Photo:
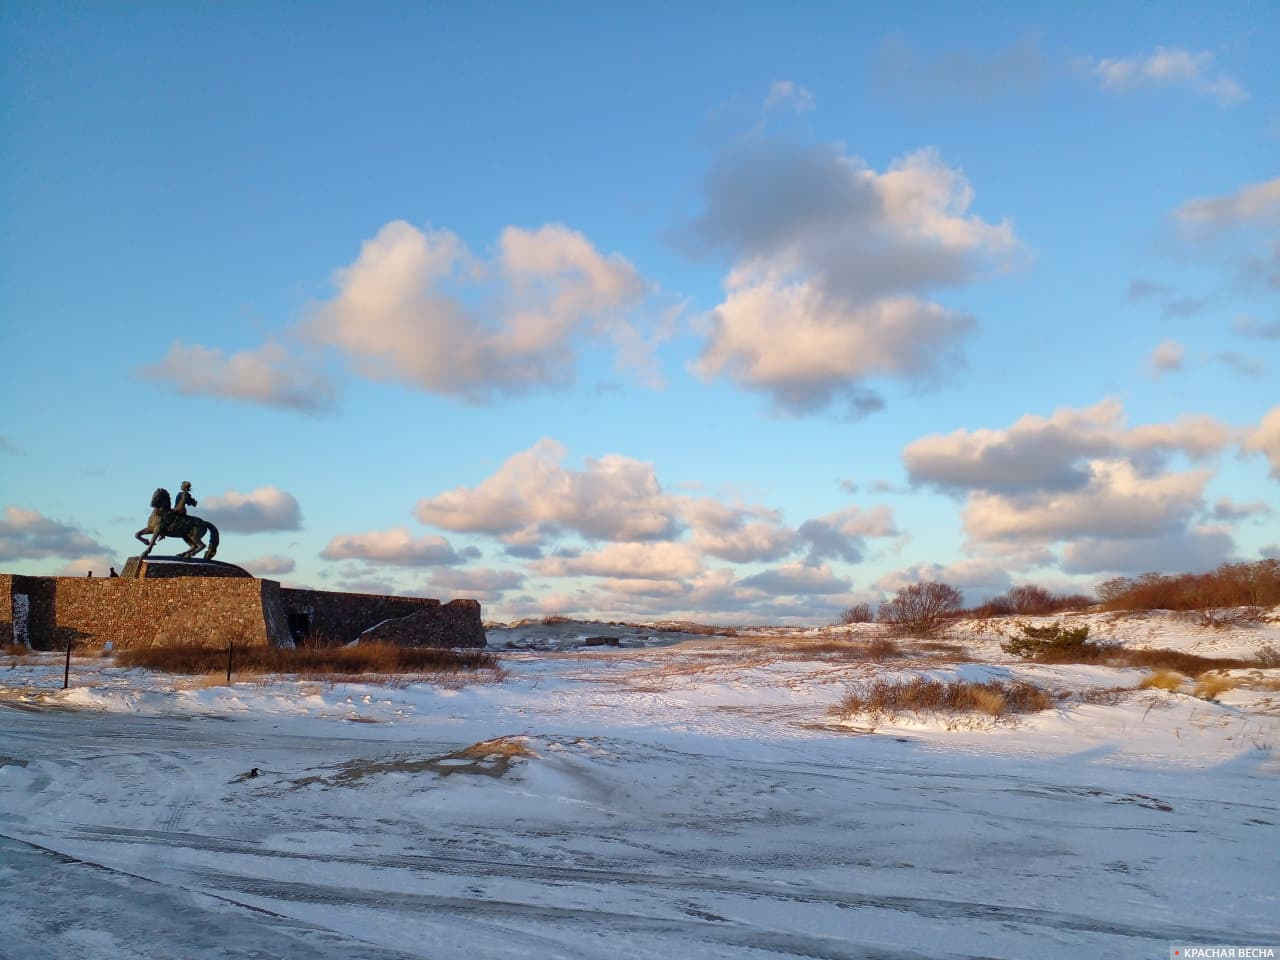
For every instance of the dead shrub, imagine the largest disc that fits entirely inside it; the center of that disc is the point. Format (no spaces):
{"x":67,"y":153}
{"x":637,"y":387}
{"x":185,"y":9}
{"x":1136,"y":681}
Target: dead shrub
{"x":858,"y":613}
{"x":1221,"y":617}
{"x":920,"y":609}
{"x":995,"y":698}
{"x":344,"y":661}
{"x":1029,"y":600}
{"x":882,"y":648}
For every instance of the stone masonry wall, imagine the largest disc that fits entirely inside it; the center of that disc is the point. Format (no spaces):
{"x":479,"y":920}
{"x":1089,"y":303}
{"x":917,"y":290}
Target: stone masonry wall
{"x":337,"y":618}
{"x":454,"y":624}
{"x":91,"y":611}
{"x":128,"y":612}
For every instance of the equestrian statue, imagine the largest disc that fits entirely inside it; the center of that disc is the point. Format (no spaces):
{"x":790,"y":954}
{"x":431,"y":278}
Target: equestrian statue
{"x":165,"y":521}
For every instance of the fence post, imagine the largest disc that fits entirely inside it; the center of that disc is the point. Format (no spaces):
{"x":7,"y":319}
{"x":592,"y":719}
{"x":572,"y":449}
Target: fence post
{"x":66,"y":670}
{"x":230,"y":644}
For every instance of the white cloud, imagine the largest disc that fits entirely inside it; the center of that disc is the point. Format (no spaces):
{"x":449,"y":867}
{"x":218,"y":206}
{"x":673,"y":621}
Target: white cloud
{"x":796,"y":579}
{"x":269,"y":375}
{"x":1253,"y":204}
{"x":418,"y":308}
{"x":1054,"y":453}
{"x":271,"y":564}
{"x":788,"y":95}
{"x":843,"y":534}
{"x":29,"y":535}
{"x":532,"y":496}
{"x":1227,"y":510}
{"x":396,"y":547}
{"x":99,"y":564}
{"x":266,"y":508}
{"x":1167,"y":357}
{"x":1194,"y":549}
{"x":625,"y":561}
{"x":976,"y":577}
{"x":807,"y":352}
{"x":1168,"y":67}
{"x":829,"y":258}
{"x":1265,"y":439}
{"x":740,"y":535}
{"x":1118,"y":501}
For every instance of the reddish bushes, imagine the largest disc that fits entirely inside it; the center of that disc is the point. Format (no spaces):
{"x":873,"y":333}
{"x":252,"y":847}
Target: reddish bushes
{"x":1230,"y":585}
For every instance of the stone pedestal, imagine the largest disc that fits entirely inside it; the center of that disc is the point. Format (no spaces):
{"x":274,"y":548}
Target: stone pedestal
{"x":153,"y":567}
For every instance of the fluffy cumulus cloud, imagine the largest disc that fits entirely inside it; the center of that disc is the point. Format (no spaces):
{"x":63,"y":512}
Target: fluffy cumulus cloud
{"x":738,"y":534}
{"x":29,"y":535}
{"x":1084,"y":481}
{"x":270,"y":565}
{"x":270,"y":375}
{"x":475,"y":583}
{"x":418,"y":307}
{"x":831,"y":261}
{"x":266,"y":508}
{"x":1039,"y":454}
{"x":1168,"y":67}
{"x":1195,"y":549}
{"x":645,"y":561}
{"x":843,"y":535}
{"x":797,"y":579}
{"x":976,"y":577}
{"x":396,"y":547}
{"x":533,"y":496}
{"x":1118,"y":501}
{"x":1265,"y":439}
{"x":637,"y":549}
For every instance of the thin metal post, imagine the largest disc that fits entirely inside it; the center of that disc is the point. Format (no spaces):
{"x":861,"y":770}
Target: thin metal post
{"x":230,"y":644}
{"x":66,"y":670}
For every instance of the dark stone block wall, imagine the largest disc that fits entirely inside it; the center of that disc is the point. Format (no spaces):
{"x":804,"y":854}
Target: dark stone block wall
{"x":454,"y":624}
{"x":338,"y":618}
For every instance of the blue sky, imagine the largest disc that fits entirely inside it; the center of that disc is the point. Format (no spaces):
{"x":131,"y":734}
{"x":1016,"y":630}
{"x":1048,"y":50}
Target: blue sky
{"x":741,"y":312}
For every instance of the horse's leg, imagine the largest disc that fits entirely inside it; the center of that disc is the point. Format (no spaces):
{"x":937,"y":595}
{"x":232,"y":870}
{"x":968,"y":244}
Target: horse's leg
{"x":193,"y":542}
{"x":151,"y":545}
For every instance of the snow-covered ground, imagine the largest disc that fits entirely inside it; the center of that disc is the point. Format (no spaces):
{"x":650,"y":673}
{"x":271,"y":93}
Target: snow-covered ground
{"x":671,"y":796}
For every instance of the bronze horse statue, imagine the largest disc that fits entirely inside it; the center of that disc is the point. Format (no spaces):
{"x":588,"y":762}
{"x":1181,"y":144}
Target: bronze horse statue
{"x":164,"y":522}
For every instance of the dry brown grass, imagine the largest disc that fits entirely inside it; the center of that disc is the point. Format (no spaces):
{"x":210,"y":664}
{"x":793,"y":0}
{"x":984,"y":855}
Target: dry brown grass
{"x":1169,"y":680}
{"x":1211,"y":685}
{"x":334,"y":662}
{"x":995,"y":698}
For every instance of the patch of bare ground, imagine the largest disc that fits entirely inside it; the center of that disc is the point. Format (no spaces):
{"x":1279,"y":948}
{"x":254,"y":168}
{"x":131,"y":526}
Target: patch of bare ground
{"x":488,"y":758}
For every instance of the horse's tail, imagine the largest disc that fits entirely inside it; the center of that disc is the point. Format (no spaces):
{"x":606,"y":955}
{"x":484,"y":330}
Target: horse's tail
{"x":213,"y":541}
